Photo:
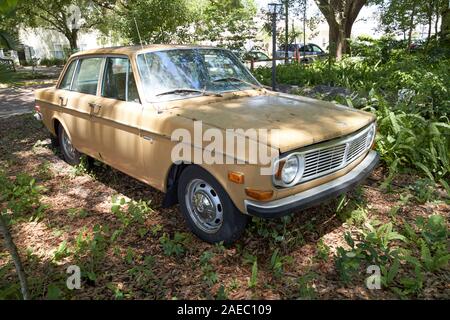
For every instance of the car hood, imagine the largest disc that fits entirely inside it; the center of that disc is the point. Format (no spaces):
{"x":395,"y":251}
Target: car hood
{"x":299,"y":121}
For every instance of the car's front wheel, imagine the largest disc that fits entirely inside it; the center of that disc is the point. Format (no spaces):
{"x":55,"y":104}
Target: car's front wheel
{"x":207,"y":208}
{"x":70,"y":154}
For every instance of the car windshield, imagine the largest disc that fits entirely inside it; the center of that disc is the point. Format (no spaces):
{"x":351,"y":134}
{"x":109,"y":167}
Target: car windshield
{"x":180,"y":73}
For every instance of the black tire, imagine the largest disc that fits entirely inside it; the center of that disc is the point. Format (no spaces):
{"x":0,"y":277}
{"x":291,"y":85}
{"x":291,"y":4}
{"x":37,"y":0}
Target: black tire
{"x":233,"y":221}
{"x":72,"y":159}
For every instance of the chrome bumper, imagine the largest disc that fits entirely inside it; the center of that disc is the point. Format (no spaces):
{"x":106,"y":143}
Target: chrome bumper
{"x":316,"y":195}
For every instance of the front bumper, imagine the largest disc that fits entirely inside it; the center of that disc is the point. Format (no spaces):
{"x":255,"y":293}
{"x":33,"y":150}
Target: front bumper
{"x":316,"y":195}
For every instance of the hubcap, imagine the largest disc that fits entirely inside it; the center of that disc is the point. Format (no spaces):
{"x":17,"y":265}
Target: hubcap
{"x":67,"y":145}
{"x":204,"y":206}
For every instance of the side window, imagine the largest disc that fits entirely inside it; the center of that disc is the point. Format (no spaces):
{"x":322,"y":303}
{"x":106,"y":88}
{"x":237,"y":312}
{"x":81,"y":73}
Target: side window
{"x":67,"y":79}
{"x":133,"y":94}
{"x":317,"y":49}
{"x":118,"y":82}
{"x":86,"y":79}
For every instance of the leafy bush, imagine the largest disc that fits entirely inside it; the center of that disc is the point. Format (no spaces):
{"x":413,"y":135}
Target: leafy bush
{"x":48,"y":62}
{"x":401,"y":256}
{"x":409,"y":93}
{"x":21,"y":195}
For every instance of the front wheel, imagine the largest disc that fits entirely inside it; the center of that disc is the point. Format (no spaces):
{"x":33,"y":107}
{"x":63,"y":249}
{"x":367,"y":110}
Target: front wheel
{"x":70,"y":154}
{"x":207,"y":208}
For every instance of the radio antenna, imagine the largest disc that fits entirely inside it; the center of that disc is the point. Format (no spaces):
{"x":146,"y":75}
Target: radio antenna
{"x":138,"y":32}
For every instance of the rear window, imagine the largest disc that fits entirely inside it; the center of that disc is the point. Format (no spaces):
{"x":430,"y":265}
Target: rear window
{"x":86,"y":79}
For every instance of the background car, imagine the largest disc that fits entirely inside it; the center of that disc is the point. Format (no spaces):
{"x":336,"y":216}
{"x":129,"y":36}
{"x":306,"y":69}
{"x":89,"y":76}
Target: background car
{"x":308,"y":52}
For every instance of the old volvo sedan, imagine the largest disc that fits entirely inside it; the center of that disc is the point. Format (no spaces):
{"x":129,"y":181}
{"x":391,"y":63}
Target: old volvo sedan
{"x":157,"y":113}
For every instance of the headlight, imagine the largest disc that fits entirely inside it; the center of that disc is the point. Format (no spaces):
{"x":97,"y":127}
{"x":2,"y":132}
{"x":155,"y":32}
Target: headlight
{"x":371,"y":136}
{"x":290,"y":169}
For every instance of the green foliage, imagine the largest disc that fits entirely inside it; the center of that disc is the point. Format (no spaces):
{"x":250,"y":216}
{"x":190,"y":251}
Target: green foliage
{"x":90,"y":250}
{"x":408,"y":92}
{"x":21,"y":195}
{"x":209,"y":275}
{"x":48,"y":62}
{"x":322,"y":251}
{"x":306,"y":289}
{"x":130,"y":212}
{"x":175,"y":246}
{"x":277,"y":262}
{"x":402,"y":257}
{"x":253,"y":281}
{"x":227,"y":22}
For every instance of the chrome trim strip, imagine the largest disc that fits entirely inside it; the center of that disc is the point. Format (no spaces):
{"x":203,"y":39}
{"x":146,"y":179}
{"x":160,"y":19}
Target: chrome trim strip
{"x":316,"y":190}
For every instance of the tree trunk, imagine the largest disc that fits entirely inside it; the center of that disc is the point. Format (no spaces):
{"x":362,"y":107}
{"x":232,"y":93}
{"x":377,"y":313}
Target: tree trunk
{"x":437,"y":12}
{"x":341,"y":16}
{"x":430,"y":20}
{"x":72,"y":36}
{"x":445,"y":24}
{"x":11,"y":247}
{"x":411,"y":25}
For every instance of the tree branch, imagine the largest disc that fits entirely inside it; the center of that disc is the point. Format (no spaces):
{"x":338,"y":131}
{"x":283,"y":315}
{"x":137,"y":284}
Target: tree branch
{"x":11,"y":247}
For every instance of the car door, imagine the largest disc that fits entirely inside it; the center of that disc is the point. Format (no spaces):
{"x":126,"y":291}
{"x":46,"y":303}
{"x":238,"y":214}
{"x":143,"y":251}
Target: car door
{"x":118,"y":119}
{"x":77,"y":95}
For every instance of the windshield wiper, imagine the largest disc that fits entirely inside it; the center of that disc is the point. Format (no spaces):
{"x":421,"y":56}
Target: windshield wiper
{"x":231,"y":79}
{"x":188,"y":90}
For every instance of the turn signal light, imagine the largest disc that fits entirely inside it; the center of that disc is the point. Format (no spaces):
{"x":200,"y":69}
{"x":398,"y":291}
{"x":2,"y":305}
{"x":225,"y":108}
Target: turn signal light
{"x":236,"y":177}
{"x":280,"y":169}
{"x":259,"y":194}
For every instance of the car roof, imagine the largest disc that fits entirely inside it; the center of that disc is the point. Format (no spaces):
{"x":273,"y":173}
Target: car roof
{"x":132,"y":50}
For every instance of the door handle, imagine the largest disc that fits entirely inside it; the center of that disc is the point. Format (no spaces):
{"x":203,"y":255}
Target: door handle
{"x":95,"y":107}
{"x":62,"y":101}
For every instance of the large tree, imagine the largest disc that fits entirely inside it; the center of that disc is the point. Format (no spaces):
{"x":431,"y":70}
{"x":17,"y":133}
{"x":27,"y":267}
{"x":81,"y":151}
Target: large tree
{"x":68,"y":17}
{"x":229,"y":23}
{"x":340,"y":16}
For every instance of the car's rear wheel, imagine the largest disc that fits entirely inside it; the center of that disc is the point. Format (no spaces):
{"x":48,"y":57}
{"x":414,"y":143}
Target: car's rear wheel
{"x":70,"y":154}
{"x":207,"y":208}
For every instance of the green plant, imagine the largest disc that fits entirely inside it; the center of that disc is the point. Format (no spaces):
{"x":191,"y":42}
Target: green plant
{"x":175,"y":246}
{"x":130,"y":212}
{"x":62,"y":251}
{"x":322,"y":251}
{"x":21,"y":195}
{"x":209,"y":275}
{"x":82,"y":168}
{"x":253,"y":281}
{"x":306,"y":290}
{"x":277,"y":262}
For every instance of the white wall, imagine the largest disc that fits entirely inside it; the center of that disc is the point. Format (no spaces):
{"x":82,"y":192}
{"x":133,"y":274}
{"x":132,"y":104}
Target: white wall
{"x":47,"y":43}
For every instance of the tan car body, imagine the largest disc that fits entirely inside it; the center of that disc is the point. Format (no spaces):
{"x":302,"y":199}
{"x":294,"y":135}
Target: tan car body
{"x":136,"y":137}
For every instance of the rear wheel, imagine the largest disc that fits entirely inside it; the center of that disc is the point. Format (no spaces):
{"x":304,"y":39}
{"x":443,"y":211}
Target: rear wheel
{"x":70,"y":154}
{"x":207,"y":208}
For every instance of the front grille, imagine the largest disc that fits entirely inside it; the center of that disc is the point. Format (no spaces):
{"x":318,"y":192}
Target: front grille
{"x":324,"y":160}
{"x":317,"y":162}
{"x":328,"y":157}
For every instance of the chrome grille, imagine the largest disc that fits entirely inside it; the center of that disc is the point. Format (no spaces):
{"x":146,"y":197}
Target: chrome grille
{"x":331,"y":156}
{"x":323,"y":160}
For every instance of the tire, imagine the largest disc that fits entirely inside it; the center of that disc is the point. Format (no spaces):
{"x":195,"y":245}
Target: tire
{"x":194,"y":186}
{"x":70,"y":154}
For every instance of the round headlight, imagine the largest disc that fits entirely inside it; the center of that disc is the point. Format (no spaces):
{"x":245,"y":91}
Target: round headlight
{"x":290,"y":170}
{"x":370,"y":136}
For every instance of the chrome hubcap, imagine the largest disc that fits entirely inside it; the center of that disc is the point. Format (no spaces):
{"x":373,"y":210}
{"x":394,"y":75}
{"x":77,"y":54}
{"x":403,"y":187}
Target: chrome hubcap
{"x":67,"y":145}
{"x":204,"y":206}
